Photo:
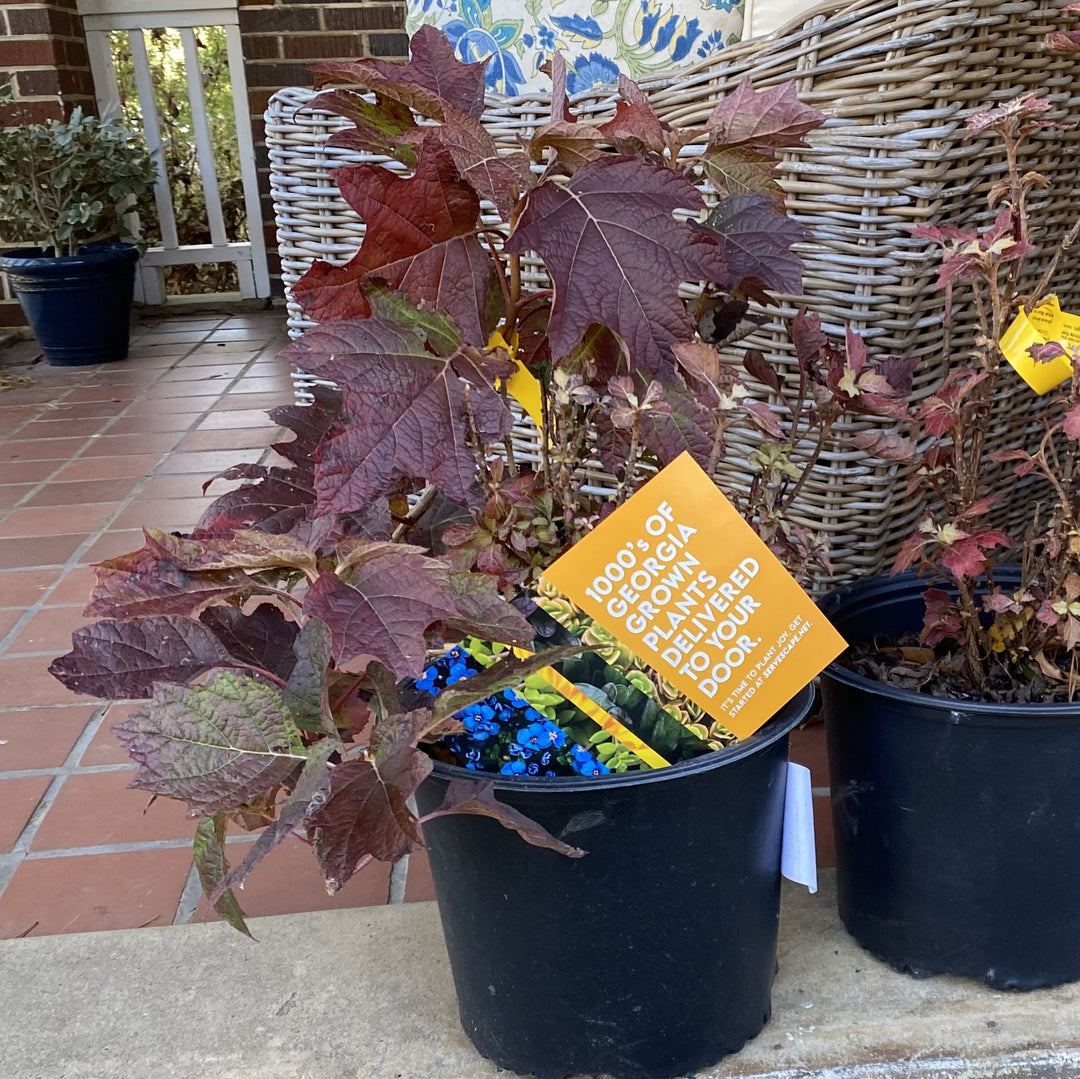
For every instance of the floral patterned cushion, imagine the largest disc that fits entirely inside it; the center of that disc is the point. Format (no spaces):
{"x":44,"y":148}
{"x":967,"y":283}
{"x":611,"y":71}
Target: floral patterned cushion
{"x":598,"y":38}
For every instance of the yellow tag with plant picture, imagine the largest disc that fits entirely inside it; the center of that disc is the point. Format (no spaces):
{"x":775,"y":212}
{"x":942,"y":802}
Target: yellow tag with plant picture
{"x":679,"y":578}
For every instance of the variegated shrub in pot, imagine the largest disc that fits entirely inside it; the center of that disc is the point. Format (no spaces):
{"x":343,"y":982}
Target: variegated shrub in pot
{"x":293,"y":649}
{"x":64,"y":190}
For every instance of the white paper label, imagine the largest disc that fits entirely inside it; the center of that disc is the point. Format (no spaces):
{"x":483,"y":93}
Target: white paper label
{"x":798,"y":859}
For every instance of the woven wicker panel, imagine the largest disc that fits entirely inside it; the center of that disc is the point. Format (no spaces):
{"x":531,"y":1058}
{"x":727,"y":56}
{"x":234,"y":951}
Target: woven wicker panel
{"x":897,"y":81}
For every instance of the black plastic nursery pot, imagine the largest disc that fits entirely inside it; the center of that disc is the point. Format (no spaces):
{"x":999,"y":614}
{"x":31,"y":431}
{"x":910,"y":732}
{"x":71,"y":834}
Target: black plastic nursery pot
{"x":79,"y":306}
{"x":957,"y":824}
{"x":654,"y":954}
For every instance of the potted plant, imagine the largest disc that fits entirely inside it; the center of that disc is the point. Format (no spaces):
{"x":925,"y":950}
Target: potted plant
{"x":953,"y":725}
{"x":293,"y":647}
{"x":65,"y":189}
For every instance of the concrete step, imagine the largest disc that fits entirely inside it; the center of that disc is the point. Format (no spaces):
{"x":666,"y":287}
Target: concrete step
{"x":367,"y":994}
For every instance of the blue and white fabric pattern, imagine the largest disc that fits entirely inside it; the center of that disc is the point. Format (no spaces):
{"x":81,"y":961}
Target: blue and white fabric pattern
{"x":598,"y":38}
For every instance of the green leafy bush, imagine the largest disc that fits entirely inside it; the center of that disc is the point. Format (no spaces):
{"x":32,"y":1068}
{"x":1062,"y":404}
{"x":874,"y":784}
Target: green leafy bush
{"x":63,"y":181}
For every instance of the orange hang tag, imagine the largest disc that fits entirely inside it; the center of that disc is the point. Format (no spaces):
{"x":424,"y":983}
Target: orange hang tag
{"x":677,"y":576}
{"x":522,"y":385}
{"x":1047,"y":322}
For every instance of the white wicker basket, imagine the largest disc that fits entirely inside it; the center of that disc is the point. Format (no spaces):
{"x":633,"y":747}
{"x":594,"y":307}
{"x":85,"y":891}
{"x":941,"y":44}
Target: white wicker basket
{"x":897,"y":80}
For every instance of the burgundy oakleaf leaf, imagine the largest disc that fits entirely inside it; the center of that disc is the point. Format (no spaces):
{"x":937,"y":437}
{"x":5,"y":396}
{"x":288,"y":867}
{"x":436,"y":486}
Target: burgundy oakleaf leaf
{"x":483,"y":612}
{"x":261,"y":638}
{"x":763,"y":418}
{"x":245,"y":549}
{"x":683,"y":425}
{"x":116,"y":659}
{"x":215,"y":746}
{"x":366,"y":815}
{"x":384,"y":609}
{"x":420,"y":239}
{"x":700,"y":361}
{"x":1048,"y":351}
{"x":500,"y":178}
{"x":277,"y":502}
{"x":617,"y":256}
{"x":755,"y":240}
{"x":635,"y":127}
{"x":478,"y":797}
{"x":766,"y":120}
{"x":432,"y":76}
{"x":307,"y":797}
{"x":885,"y":445}
{"x":967,"y":556}
{"x":757,"y":366}
{"x":310,"y":423}
{"x":149,"y":581}
{"x":1064,"y":40}
{"x":407,"y":414}
{"x":575,"y":144}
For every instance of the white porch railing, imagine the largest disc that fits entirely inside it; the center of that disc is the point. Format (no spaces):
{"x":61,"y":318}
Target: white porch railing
{"x":100,"y":18}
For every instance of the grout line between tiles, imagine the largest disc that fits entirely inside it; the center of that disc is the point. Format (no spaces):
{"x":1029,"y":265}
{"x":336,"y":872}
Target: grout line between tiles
{"x":86,"y":770}
{"x":128,"y":500}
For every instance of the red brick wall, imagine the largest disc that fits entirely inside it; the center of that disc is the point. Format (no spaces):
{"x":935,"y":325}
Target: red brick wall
{"x":43,"y":56}
{"x":284,"y":38}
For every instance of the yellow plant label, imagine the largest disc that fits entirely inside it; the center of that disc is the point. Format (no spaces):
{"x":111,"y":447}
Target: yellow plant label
{"x":522,"y":385}
{"x":685,"y":583}
{"x":1046,"y":323}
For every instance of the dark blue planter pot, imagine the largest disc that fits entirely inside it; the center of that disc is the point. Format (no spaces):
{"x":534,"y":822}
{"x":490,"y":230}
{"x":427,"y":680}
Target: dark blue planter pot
{"x":957,"y":823}
{"x":79,"y":306}
{"x":654,"y":954}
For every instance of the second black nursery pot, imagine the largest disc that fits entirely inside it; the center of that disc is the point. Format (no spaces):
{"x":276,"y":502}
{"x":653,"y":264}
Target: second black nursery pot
{"x":957,"y":823}
{"x":654,"y":954}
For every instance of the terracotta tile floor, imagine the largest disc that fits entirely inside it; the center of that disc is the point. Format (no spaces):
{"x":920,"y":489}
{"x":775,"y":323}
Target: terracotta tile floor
{"x":88,"y":455}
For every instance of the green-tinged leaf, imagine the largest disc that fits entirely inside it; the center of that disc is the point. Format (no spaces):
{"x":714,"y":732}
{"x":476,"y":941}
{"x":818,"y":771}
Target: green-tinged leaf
{"x":736,"y":170}
{"x":509,"y":671}
{"x":366,"y":814}
{"x":212,"y":866}
{"x":478,"y":797}
{"x":306,"y":692}
{"x":215,"y":746}
{"x":243,"y":549}
{"x":385,"y":687}
{"x":384,"y":609}
{"x":437,"y":330}
{"x":308,"y":796}
{"x":482,"y":611}
{"x":118,"y":660}
{"x":150,"y":581}
{"x":378,"y":126}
